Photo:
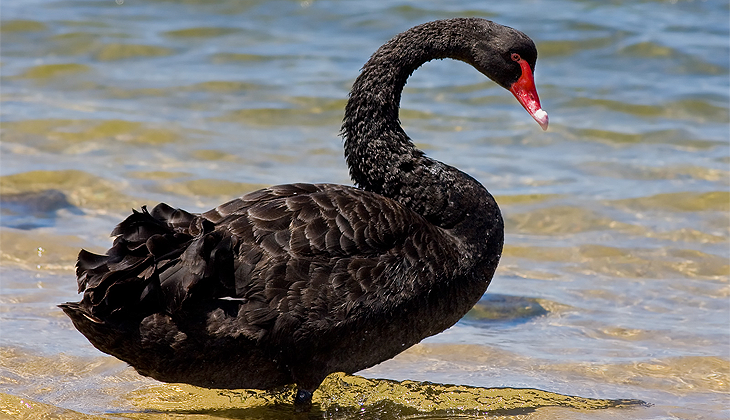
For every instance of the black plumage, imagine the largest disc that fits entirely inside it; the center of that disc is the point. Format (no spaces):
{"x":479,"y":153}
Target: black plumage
{"x":290,"y":283}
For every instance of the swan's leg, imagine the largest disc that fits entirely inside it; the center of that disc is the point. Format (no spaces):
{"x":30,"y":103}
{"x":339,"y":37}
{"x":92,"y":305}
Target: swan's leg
{"x":303,"y":400}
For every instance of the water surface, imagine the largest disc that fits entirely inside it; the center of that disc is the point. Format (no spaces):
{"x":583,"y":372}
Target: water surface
{"x":614,"y":280}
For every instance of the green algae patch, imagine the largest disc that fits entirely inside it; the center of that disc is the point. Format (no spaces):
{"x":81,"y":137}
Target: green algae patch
{"x":222,"y":86}
{"x":651,"y":173}
{"x":593,"y":259}
{"x":676,"y":137}
{"x":36,"y":250}
{"x":201,"y":32}
{"x":345,"y":394}
{"x":158,"y":175}
{"x":688,"y":235}
{"x":649,"y":50}
{"x":213,"y":155}
{"x":305,"y":111}
{"x":564,"y":48}
{"x":220,"y":189}
{"x":81,"y":189}
{"x":77,"y":136}
{"x":679,"y":202}
{"x":681,"y":63}
{"x":48,"y":71}
{"x":672,"y":374}
{"x":22,"y":25}
{"x":113,"y":52}
{"x":693,"y":109}
{"x":525,"y":198}
{"x":354,"y":392}
{"x":24,"y":408}
{"x":565,"y":220}
{"x":222,"y":58}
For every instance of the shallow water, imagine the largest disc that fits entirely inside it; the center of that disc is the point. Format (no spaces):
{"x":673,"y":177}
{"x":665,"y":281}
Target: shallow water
{"x":614,"y":280}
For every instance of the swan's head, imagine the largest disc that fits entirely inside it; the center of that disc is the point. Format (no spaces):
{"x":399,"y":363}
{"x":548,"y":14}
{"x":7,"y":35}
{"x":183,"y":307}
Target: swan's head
{"x":508,"y":57}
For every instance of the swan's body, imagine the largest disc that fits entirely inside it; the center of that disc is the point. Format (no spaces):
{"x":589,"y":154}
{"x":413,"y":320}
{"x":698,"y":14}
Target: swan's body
{"x":291,"y":283}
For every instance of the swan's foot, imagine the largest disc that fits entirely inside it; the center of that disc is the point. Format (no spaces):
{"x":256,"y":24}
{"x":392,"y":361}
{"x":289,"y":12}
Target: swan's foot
{"x":302,"y":401}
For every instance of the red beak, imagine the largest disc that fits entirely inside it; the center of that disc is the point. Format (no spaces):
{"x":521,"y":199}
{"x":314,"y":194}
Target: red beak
{"x":526,"y":93}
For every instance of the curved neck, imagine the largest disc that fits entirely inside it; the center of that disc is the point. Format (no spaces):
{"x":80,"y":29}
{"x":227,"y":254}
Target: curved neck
{"x":380,"y":155}
{"x":371,"y":127}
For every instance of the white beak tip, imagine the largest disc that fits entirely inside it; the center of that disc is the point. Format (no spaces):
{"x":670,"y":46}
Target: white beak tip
{"x":542,"y":118}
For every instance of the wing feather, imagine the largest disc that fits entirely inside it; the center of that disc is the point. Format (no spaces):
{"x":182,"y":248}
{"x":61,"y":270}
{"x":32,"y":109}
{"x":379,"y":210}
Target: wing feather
{"x":294,"y":258}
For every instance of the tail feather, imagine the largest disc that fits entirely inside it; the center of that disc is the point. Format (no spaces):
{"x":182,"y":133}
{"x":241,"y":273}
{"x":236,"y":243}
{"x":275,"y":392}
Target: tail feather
{"x":139,"y":226}
{"x":126,"y":278}
{"x":75,"y":311}
{"x":177,"y":219}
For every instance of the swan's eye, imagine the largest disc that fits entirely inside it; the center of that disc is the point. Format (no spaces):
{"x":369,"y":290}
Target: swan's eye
{"x":516,"y":57}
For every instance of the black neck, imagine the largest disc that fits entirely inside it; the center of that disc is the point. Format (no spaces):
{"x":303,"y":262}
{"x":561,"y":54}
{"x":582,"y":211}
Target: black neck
{"x":380,"y":155}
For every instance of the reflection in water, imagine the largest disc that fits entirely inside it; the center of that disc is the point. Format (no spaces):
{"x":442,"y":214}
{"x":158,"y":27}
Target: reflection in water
{"x":339,"y":396}
{"x":343,"y":395}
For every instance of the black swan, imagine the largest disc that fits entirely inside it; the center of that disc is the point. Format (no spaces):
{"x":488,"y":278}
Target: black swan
{"x":290,"y":283}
